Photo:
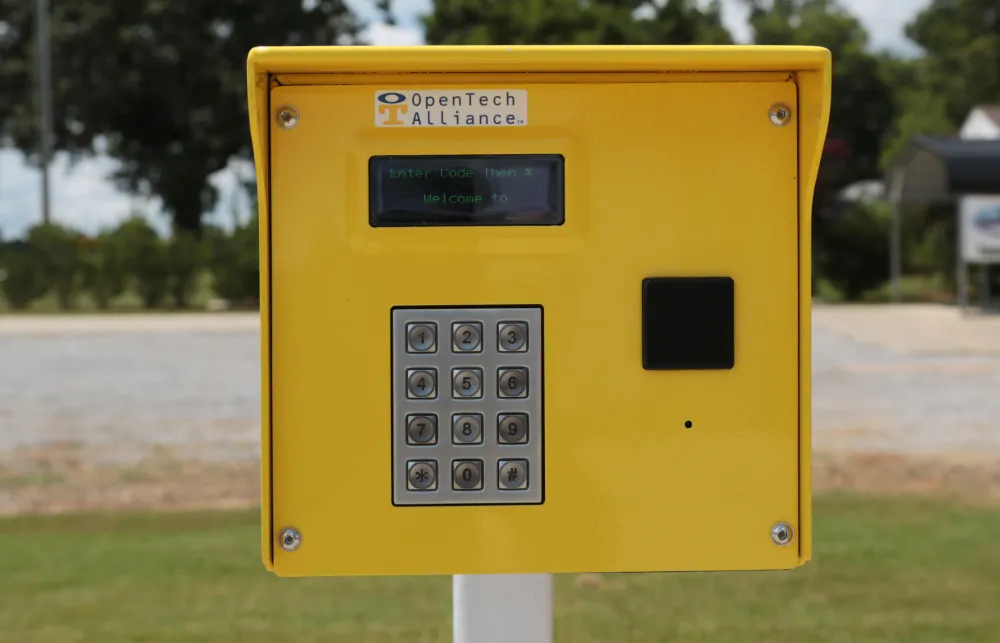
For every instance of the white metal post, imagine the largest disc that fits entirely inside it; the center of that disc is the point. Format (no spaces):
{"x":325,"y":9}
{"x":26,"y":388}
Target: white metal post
{"x":502,"y":608}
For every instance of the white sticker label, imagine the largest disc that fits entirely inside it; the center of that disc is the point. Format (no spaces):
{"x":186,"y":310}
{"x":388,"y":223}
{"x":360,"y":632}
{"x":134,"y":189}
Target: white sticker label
{"x":451,"y":107}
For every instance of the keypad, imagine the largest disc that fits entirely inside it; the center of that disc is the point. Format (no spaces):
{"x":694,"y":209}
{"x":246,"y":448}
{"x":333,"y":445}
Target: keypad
{"x":467,"y":405}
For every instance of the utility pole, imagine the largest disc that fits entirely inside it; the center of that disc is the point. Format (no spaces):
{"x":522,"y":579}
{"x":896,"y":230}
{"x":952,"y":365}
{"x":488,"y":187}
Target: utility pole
{"x":44,"y":76}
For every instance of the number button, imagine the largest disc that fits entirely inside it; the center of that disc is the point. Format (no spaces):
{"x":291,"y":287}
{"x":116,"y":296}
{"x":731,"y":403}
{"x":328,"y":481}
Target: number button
{"x":512,"y":475}
{"x":512,"y":382}
{"x":421,"y":383}
{"x":421,"y":429}
{"x":512,"y":337}
{"x":421,"y":337}
{"x":467,"y":382}
{"x":467,"y":337}
{"x":467,"y":428}
{"x":512,"y":428}
{"x":467,"y":475}
{"x":421,"y":475}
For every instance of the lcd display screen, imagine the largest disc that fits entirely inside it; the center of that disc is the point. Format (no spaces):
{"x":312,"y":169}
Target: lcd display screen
{"x":475,"y":190}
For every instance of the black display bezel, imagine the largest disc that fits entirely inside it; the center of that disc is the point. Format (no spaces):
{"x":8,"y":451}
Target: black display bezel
{"x":552,"y":214}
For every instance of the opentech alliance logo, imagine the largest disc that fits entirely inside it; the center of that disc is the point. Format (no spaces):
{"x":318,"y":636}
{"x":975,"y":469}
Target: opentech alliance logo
{"x":391,"y":107}
{"x":451,"y":108}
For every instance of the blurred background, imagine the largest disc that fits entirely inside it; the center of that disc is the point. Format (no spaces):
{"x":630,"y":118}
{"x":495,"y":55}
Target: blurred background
{"x":129,"y":377}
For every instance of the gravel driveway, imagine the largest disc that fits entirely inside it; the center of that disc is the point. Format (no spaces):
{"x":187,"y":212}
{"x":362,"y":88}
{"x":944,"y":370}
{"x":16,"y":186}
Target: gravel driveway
{"x":910,"y":380}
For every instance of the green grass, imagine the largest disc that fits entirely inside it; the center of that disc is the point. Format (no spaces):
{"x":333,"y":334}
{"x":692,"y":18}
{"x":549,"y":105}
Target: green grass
{"x":908,"y":570}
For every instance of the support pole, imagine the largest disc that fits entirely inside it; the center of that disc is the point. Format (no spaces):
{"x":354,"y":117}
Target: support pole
{"x":963,"y":285}
{"x":896,"y":237}
{"x":984,"y":286}
{"x":502,"y":608}
{"x":961,"y":268}
{"x":44,"y":79}
{"x":896,"y":257}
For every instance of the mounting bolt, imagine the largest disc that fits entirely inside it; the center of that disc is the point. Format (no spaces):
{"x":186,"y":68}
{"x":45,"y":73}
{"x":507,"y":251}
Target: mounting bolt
{"x":780,"y":114}
{"x":287,"y":117}
{"x":782,"y":534}
{"x":289,"y":538}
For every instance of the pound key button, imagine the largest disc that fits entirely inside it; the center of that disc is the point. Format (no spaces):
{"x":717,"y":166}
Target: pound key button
{"x":512,"y":474}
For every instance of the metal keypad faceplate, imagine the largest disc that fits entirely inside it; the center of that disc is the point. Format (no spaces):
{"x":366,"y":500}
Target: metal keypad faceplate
{"x":453,"y":377}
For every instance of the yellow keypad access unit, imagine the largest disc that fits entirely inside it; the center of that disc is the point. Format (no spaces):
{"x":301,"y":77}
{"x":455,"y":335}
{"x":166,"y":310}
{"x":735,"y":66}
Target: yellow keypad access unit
{"x":535,"y":309}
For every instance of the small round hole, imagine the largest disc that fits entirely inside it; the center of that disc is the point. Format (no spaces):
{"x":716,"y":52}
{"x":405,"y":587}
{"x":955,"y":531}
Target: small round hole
{"x":688,"y":424}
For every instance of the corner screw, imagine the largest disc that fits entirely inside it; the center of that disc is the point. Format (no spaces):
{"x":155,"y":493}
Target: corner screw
{"x":290,"y":538}
{"x":287,"y":117}
{"x":780,"y":114}
{"x":782,"y":534}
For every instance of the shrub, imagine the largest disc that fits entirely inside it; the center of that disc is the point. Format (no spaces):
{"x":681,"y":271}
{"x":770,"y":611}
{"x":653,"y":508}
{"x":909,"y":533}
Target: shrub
{"x":852,"y":250}
{"x":144,"y":259}
{"x":234,"y":264}
{"x":57,"y":253}
{"x":103,"y":269}
{"x":21,"y":282}
{"x":185,"y":254}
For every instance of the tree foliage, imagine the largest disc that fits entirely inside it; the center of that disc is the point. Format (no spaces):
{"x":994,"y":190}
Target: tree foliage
{"x":575,"y":22}
{"x":863,"y":105}
{"x":159,"y":84}
{"x":961,"y":41}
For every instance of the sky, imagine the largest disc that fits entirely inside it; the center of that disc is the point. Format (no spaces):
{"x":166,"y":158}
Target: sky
{"x":82,"y":196}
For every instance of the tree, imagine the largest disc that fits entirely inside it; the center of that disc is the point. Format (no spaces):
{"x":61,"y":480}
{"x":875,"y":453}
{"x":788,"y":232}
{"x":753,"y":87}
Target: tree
{"x":921,"y":109}
{"x":581,"y":22}
{"x":961,"y":41}
{"x":159,"y":85}
{"x":863,"y":104}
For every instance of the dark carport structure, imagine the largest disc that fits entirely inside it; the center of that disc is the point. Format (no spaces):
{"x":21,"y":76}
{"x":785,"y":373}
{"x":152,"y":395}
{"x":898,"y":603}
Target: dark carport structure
{"x":939,"y":169}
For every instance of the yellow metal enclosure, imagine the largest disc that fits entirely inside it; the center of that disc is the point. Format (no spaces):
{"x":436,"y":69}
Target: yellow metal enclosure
{"x":676,"y":164}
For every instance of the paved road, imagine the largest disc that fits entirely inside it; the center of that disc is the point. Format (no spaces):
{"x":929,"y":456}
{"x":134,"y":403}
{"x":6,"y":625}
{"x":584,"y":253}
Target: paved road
{"x":915,"y":379}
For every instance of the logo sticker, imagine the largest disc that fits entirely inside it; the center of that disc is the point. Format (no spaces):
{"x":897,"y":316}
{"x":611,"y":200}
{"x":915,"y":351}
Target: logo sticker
{"x":988,"y":220}
{"x":451,"y":107}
